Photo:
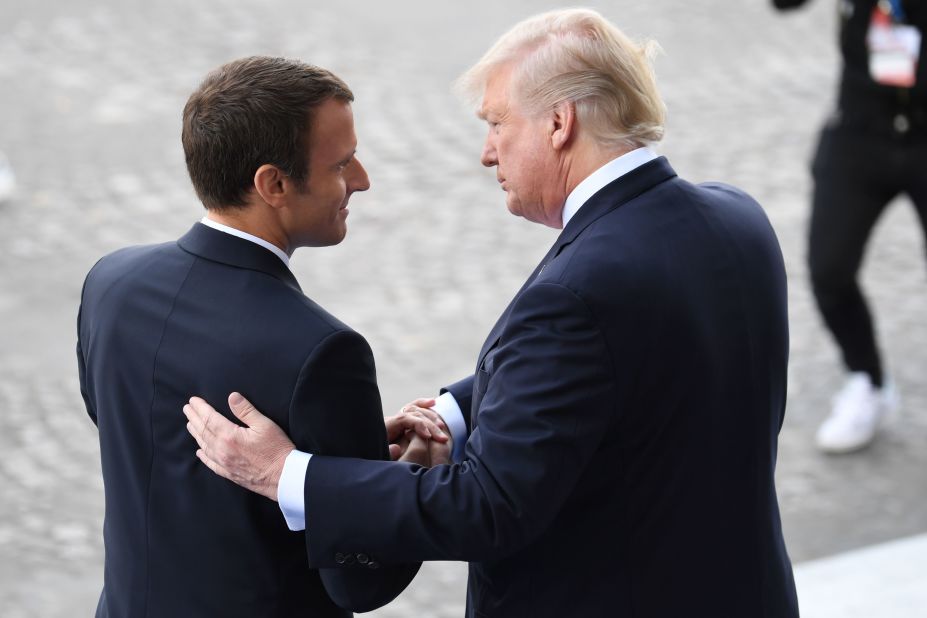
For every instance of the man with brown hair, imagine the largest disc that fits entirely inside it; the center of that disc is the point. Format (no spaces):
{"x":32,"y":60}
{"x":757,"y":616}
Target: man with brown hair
{"x":270,"y":148}
{"x":616,"y":448}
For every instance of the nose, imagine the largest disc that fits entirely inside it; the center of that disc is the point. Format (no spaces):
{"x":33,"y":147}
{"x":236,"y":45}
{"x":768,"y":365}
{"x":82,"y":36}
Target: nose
{"x":489,"y":157}
{"x":359,"y":181}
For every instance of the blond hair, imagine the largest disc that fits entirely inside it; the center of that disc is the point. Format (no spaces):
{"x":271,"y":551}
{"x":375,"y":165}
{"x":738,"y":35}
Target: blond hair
{"x":577,"y":55}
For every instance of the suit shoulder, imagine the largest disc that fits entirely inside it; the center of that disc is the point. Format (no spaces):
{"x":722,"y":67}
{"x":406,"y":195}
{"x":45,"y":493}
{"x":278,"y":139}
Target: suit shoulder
{"x":286,"y":315}
{"x":643,"y":240}
{"x":114,"y":266}
{"x":299,"y":305}
{"x":728,"y":193}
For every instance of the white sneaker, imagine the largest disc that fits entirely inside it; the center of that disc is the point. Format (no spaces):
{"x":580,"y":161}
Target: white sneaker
{"x":859,"y":409}
{"x":7,"y":180}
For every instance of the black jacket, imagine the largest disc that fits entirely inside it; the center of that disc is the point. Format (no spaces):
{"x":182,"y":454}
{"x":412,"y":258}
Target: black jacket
{"x":206,"y":315}
{"x":624,"y":414}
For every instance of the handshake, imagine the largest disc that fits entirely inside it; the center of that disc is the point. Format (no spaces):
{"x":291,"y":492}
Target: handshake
{"x":418,"y":434}
{"x":253,"y":455}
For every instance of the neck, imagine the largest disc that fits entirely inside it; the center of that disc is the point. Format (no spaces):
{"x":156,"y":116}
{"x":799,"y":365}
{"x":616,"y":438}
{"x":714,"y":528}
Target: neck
{"x":249,"y":220}
{"x":587,"y":160}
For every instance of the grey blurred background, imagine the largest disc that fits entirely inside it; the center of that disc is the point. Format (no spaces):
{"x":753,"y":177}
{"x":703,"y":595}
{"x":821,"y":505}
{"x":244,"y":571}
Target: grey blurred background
{"x":91,"y":94}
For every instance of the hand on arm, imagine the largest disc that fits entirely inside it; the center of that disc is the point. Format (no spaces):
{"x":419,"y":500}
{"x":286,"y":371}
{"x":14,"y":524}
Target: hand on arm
{"x":251,"y":456}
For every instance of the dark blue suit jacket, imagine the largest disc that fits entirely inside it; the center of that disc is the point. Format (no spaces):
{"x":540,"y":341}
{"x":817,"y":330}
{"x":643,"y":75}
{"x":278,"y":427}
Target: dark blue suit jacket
{"x":624,"y":417}
{"x":206,"y":315}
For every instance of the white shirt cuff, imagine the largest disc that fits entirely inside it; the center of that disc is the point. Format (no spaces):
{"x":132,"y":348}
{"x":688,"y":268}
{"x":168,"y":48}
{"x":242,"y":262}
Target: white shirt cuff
{"x":291,"y":489}
{"x":448,"y":409}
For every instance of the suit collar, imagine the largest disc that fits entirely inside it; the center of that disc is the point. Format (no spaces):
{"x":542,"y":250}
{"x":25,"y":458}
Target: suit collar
{"x":242,"y":234}
{"x":211,"y":244}
{"x":614,"y":169}
{"x":608,"y":198}
{"x":619,"y":191}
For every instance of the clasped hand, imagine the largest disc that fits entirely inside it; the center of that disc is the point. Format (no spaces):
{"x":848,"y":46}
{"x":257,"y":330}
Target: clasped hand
{"x":419,"y":435}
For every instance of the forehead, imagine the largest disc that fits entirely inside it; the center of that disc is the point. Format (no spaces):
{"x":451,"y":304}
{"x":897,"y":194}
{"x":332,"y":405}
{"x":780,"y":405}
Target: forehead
{"x":332,"y":131}
{"x":496,"y":94}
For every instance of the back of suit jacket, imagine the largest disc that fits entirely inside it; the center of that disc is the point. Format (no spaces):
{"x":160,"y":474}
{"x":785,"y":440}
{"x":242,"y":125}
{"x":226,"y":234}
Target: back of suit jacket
{"x":207,"y":315}
{"x":624,"y":417}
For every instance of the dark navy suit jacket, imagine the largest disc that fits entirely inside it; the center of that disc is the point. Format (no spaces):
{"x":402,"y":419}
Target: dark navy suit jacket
{"x":207,"y":315}
{"x":624,"y":415}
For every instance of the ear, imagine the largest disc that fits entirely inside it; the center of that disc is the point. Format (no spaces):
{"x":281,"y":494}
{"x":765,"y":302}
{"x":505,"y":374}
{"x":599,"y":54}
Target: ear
{"x":271,"y":184}
{"x":563,"y":124}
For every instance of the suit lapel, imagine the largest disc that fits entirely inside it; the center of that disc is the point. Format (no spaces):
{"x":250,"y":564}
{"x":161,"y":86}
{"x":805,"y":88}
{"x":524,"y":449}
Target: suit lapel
{"x":611,"y":196}
{"x":211,"y":244}
{"x":496,"y":331}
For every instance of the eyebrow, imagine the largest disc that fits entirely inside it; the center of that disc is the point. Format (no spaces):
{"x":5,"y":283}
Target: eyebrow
{"x":345,"y":160}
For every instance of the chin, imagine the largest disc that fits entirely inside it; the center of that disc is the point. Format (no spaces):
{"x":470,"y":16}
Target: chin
{"x":327,"y":240}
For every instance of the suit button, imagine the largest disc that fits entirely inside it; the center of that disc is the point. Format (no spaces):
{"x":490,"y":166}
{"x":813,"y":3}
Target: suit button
{"x":349,"y":559}
{"x":339,"y":558}
{"x":363,"y":558}
{"x":373,"y":565}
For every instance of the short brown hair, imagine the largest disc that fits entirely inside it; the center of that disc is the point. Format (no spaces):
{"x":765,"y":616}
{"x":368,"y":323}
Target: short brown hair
{"x":247,"y":113}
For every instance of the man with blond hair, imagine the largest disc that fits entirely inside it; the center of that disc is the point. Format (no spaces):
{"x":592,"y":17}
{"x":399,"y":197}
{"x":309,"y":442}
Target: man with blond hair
{"x":616,"y":448}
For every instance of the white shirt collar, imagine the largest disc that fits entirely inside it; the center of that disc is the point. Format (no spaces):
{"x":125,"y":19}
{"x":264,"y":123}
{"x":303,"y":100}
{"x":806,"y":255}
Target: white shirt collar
{"x":258,"y":241}
{"x":612,"y":170}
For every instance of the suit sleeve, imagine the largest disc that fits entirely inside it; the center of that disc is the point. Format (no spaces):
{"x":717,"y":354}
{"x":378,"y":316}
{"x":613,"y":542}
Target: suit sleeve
{"x":545,"y":411}
{"x":82,"y":374}
{"x":336,"y":410}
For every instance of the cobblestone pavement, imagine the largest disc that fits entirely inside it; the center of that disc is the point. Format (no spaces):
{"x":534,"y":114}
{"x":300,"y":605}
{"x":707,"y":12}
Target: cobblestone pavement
{"x":90,"y":101}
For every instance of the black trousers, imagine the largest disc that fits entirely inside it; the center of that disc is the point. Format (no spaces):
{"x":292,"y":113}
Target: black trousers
{"x":856,"y":174}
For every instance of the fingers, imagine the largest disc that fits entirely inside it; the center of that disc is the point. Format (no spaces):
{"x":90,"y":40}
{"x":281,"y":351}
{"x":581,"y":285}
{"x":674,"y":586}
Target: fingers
{"x":195,"y":425}
{"x":417,"y":452}
{"x":424,"y":427}
{"x":428,"y":413}
{"x":208,"y":427}
{"x":205,"y":419}
{"x":439,"y":453}
{"x":422,"y":406}
{"x":199,"y":441}
{"x":398,"y":448}
{"x":214,"y":466}
{"x":245,"y":410}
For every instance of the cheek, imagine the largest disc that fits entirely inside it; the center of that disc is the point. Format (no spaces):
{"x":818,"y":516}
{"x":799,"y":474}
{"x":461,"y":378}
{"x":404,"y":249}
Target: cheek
{"x":335,"y":191}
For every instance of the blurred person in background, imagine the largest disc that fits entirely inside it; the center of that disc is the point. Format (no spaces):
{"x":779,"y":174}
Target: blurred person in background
{"x":616,"y":451}
{"x":872,"y":149}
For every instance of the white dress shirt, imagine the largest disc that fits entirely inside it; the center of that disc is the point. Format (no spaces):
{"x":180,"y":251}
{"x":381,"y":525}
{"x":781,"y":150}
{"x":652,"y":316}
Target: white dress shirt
{"x":258,"y":241}
{"x":291,"y":488}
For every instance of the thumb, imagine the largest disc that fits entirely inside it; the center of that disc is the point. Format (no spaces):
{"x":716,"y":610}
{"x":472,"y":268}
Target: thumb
{"x":244,"y":410}
{"x":395,"y":451}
